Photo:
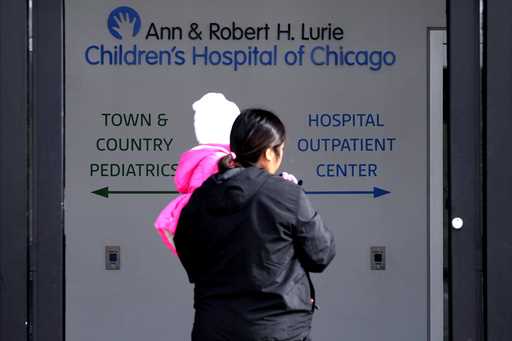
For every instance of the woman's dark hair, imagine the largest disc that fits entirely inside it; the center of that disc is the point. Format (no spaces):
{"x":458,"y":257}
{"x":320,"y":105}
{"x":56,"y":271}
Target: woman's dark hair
{"x":253,"y":131}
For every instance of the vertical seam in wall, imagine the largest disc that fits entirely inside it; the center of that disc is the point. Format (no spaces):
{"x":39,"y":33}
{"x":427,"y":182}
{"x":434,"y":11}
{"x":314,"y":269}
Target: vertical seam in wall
{"x":428,"y":187}
{"x":483,"y":144}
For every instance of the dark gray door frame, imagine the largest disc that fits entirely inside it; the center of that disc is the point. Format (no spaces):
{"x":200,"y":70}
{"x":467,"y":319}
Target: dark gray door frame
{"x":47,"y":253}
{"x":466,"y":273}
{"x":498,"y":175}
{"x":13,"y":169}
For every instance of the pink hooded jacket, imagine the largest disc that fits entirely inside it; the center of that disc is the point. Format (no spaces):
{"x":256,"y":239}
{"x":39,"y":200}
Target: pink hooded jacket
{"x":194,"y":167}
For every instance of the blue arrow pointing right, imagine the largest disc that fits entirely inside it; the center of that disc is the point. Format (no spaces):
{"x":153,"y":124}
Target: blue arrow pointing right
{"x":376,"y":192}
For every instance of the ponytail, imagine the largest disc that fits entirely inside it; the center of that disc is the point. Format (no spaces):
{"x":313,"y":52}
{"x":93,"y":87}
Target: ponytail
{"x":227,"y":162}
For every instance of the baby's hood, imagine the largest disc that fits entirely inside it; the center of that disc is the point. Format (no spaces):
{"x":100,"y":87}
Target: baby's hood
{"x":198,"y":164}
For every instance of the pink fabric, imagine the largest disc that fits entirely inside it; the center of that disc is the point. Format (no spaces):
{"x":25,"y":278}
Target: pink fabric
{"x":194,"y":167}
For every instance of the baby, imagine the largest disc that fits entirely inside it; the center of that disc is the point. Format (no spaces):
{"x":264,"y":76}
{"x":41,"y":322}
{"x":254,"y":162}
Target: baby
{"x":213,"y":118}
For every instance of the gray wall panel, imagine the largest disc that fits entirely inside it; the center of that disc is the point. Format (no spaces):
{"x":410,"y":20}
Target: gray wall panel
{"x":150,"y":295}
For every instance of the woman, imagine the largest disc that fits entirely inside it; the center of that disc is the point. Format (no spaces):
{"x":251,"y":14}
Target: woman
{"x":248,"y":240}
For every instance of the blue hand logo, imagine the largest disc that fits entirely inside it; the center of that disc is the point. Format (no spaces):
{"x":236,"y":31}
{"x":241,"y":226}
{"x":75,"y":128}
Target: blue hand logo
{"x":124,"y":22}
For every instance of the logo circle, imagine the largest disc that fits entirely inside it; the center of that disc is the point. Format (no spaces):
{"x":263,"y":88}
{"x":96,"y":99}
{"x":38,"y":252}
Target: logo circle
{"x":124,"y":22}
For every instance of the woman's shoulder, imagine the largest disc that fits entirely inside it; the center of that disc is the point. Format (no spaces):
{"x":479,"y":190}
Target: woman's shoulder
{"x":282,"y":184}
{"x":255,"y":182}
{"x":279,"y":189}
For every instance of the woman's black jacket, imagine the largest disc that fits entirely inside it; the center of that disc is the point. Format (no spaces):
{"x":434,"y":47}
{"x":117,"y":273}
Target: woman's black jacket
{"x":248,"y":240}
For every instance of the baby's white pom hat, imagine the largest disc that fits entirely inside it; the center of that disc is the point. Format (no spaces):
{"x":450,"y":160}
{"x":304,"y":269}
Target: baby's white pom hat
{"x":214,"y":116}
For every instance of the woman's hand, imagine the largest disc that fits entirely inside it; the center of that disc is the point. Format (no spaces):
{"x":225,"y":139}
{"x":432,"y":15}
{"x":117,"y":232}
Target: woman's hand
{"x":289,"y":177}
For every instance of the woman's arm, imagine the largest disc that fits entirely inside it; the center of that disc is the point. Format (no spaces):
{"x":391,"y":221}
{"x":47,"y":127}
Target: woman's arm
{"x":314,"y":242}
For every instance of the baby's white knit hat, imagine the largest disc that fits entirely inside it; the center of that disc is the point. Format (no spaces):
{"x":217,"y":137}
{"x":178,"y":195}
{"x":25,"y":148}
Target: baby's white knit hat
{"x":213,"y":118}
